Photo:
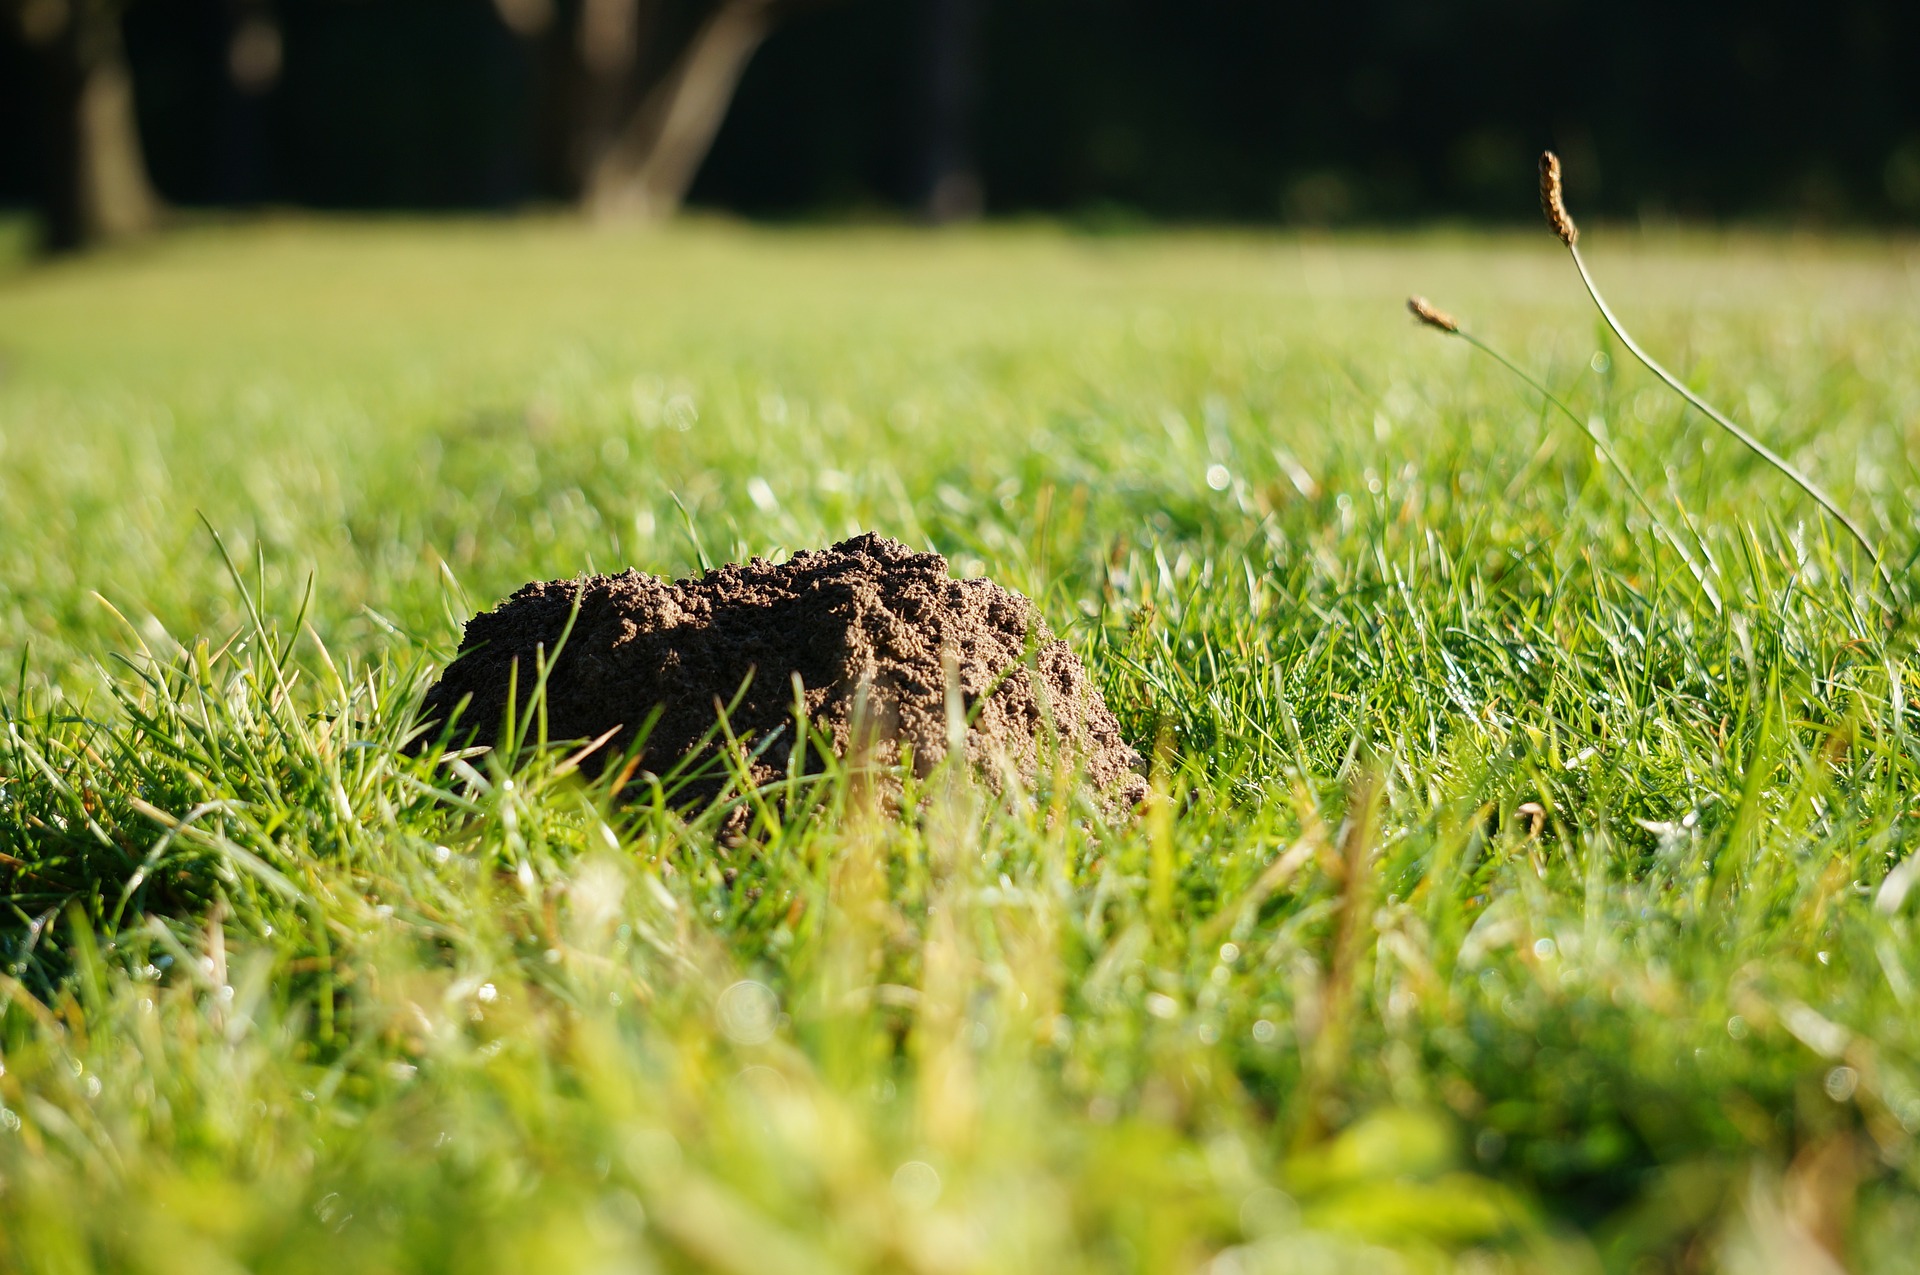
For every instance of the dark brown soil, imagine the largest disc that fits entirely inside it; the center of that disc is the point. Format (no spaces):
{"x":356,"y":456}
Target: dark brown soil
{"x":862,"y":627}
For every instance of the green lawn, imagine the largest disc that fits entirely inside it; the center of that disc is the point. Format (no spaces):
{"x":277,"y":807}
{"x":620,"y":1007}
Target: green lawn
{"x":282,"y":998}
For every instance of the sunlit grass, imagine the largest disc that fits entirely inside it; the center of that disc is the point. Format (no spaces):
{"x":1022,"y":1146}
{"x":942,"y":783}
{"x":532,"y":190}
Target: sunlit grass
{"x":1512,"y":896}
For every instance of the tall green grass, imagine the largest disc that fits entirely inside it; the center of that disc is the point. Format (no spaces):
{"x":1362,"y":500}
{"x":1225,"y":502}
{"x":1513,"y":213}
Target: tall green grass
{"x":1512,"y":897}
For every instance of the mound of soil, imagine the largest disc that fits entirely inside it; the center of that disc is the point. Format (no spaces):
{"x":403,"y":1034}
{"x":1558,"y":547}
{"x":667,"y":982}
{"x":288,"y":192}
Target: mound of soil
{"x":863,"y":626}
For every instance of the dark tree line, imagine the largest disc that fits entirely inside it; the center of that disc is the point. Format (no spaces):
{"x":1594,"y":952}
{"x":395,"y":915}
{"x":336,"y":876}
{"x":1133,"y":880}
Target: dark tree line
{"x":625,"y":96}
{"x":1243,"y":110}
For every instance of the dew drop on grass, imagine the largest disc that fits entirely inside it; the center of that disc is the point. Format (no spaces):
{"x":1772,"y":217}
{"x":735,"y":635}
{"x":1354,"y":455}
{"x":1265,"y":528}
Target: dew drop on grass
{"x":1219,"y":477}
{"x":749,"y":1012}
{"x":1265,"y":1210}
{"x":1227,"y":1262}
{"x":916,"y":1184}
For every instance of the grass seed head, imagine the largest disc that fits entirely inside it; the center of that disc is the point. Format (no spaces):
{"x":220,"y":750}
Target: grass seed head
{"x":1434,"y":317}
{"x":1553,"y":200}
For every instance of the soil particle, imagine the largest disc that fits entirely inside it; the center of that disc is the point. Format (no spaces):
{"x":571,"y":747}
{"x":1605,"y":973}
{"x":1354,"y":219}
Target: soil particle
{"x":867,"y":627}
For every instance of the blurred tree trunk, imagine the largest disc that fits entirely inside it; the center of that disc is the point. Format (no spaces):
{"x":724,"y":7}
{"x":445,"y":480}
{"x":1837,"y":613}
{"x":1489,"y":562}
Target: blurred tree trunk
{"x":633,"y":92}
{"x":95,"y":186}
{"x":616,"y":46}
{"x":646,"y":170}
{"x":948,"y":185}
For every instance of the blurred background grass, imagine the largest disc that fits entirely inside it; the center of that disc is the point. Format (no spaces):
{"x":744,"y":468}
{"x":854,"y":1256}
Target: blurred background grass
{"x":518,"y":399}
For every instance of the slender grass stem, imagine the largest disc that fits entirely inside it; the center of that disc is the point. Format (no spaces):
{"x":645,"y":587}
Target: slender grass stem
{"x":1603,"y":449}
{"x":1562,"y":224}
{"x":1452,"y":327}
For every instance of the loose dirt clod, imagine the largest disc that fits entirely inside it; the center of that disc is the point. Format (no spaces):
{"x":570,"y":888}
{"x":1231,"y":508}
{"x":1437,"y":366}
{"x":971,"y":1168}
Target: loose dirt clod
{"x":869,"y":628}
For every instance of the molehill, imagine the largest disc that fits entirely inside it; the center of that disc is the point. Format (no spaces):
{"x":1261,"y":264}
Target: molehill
{"x":864,"y":626}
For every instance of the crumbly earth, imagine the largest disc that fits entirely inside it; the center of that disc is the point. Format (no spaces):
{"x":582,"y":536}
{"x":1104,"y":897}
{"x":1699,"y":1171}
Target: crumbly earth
{"x":862,"y":632}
